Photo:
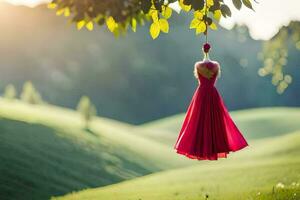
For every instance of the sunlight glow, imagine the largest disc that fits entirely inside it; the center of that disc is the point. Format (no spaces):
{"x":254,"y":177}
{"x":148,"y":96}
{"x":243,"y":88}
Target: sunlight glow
{"x":269,"y":16}
{"x":30,"y":3}
{"x":263,"y":23}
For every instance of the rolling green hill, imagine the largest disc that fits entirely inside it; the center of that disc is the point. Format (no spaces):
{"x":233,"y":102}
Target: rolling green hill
{"x":254,"y":123}
{"x":45,"y":152}
{"x":250,"y":174}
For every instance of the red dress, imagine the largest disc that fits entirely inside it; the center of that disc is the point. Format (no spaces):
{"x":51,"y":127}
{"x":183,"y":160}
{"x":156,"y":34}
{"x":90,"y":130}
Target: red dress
{"x":208,"y":132}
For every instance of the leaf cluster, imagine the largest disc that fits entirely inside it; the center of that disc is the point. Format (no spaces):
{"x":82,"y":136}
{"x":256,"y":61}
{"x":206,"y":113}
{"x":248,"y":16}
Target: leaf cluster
{"x":120,"y":15}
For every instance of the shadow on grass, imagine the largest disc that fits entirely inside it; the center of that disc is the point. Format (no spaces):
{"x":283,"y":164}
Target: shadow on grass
{"x":90,"y":131}
{"x":38,"y":162}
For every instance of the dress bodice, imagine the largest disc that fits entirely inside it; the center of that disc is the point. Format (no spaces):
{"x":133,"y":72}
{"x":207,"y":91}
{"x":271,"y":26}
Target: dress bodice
{"x":203,"y":81}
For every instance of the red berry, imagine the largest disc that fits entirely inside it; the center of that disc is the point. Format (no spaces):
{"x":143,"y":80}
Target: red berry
{"x":206,"y":47}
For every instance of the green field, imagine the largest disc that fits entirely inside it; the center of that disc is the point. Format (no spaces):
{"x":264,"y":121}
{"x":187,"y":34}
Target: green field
{"x":46,"y":153}
{"x":250,"y":174}
{"x":272,"y":158}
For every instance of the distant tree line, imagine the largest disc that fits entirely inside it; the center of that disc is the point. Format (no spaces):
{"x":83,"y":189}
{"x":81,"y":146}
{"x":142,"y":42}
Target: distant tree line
{"x":31,"y":95}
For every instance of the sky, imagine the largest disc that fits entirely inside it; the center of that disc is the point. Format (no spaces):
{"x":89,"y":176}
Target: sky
{"x":263,"y":23}
{"x":268,"y":17}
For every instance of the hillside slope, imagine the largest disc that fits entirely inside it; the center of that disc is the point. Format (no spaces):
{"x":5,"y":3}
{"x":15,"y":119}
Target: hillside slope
{"x":46,"y":152}
{"x":250,"y":174}
{"x":254,"y":123}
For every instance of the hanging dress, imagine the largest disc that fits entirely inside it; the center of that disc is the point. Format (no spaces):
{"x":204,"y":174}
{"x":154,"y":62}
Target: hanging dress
{"x":208,"y":132}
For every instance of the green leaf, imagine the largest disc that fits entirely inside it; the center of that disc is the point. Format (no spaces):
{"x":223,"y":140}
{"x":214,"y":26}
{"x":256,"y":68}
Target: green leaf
{"x":154,"y":30}
{"x":164,"y":25}
{"x":90,"y":26}
{"x":215,"y":6}
{"x":101,"y":21}
{"x":111,"y":24}
{"x":213,"y":26}
{"x":60,"y":12}
{"x":188,"y":2}
{"x":154,"y":16}
{"x":210,"y":3}
{"x":225,"y":10}
{"x":184,"y":7}
{"x":80,"y":24}
{"x":167,"y":12}
{"x":198,"y":4}
{"x":52,"y":5}
{"x":198,"y":14}
{"x":133,"y":24}
{"x":67,"y":12}
{"x":248,"y":4}
{"x":201,"y":28}
{"x":237,"y":4}
{"x":208,"y":20}
{"x":194,"y":23}
{"x":217,"y":15}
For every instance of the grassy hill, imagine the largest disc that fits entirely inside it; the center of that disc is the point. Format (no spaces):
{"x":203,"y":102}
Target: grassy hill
{"x":45,"y":152}
{"x":250,"y":174}
{"x":254,"y":123}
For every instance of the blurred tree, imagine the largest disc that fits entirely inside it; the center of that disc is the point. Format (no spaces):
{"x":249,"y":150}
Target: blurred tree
{"x":30,"y":94}
{"x":275,"y":53}
{"x":87,"y":110}
{"x":10,"y":92}
{"x":119,"y":15}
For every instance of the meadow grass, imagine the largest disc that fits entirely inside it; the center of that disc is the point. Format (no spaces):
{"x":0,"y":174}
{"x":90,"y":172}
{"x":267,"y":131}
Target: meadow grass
{"x":250,"y":174}
{"x":46,"y":152}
